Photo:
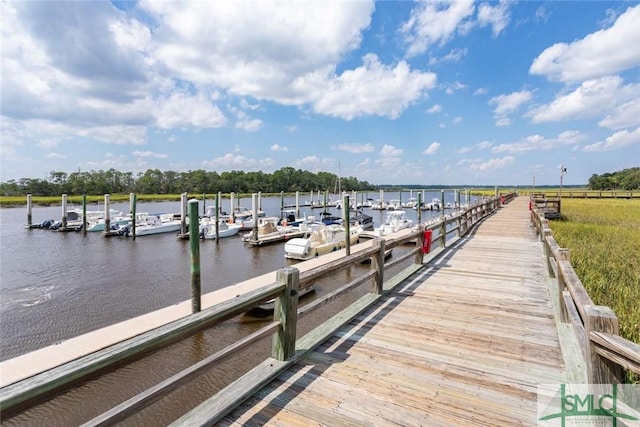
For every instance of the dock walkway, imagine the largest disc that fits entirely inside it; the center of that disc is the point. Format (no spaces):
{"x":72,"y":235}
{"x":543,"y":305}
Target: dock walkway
{"x":465,"y":341}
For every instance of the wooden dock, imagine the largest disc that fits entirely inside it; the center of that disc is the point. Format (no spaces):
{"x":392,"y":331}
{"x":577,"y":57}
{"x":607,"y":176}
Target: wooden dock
{"x":466,"y":341}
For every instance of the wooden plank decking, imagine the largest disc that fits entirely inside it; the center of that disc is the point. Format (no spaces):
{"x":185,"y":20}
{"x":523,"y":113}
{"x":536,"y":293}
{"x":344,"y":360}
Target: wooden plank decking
{"x":466,"y":341}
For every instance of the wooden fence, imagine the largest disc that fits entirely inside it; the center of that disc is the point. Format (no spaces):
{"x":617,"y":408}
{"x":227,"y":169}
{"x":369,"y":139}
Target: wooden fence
{"x":286,"y":349}
{"x":596,"y":327}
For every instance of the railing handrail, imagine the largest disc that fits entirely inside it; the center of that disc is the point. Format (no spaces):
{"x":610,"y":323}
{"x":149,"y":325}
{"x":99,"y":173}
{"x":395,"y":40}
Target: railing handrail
{"x":15,"y":397}
{"x":596,"y":327}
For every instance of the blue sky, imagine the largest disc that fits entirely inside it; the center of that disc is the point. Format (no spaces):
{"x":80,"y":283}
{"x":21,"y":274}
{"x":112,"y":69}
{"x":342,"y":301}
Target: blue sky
{"x":393,"y":92}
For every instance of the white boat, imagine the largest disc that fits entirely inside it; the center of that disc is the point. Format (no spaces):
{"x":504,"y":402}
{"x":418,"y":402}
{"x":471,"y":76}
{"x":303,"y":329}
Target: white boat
{"x":411,"y":204}
{"x":208,"y":229}
{"x":395,"y":221}
{"x":148,"y":224}
{"x":116,"y":220}
{"x":434,"y":205}
{"x":269,"y":232}
{"x":393,"y":205}
{"x":379,"y":205}
{"x":323,"y":240}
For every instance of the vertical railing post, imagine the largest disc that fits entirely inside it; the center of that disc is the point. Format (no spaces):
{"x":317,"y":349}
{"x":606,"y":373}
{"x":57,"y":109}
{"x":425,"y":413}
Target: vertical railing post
{"x":194,"y":243}
{"x":347,"y":225}
{"x":419,"y":257}
{"x":601,"y":370}
{"x":286,"y":312}
{"x":419,"y":208}
{"x":377,"y":264}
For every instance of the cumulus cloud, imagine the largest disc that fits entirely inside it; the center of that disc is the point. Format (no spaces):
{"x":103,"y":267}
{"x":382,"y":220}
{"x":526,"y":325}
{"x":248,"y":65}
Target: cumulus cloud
{"x":590,"y":99}
{"x":435,"y":109}
{"x":55,"y":156}
{"x":372,"y":89}
{"x":278,"y":148}
{"x":355,"y":148}
{"x":181,"y":109}
{"x":507,"y":104}
{"x":230,"y":162}
{"x":492,"y":164}
{"x":454,"y":55}
{"x":432,"y":149}
{"x":390,"y":151}
{"x":434,"y":22}
{"x":149,"y":154}
{"x":616,"y":141}
{"x":479,"y":146}
{"x":601,"y":53}
{"x":496,"y":16}
{"x":623,"y":116}
{"x":538,"y":142}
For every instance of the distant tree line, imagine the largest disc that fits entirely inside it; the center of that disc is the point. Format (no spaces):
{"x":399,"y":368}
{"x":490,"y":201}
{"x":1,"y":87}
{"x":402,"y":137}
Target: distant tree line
{"x":154,"y":181}
{"x":626,"y":179}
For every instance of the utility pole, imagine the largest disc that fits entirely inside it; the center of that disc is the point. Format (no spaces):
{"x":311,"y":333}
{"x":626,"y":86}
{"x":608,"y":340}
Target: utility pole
{"x":563,"y":172}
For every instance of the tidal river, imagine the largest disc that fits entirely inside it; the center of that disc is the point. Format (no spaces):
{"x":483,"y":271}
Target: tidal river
{"x":57,"y":285}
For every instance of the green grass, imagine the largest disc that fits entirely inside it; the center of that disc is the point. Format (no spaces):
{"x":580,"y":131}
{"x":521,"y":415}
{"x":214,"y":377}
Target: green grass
{"x":604,"y":239}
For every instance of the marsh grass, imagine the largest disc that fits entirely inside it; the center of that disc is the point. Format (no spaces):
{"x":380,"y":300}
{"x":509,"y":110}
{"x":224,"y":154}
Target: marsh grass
{"x":604,"y":239}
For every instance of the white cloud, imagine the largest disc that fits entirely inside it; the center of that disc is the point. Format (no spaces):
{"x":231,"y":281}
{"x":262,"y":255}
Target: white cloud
{"x":149,"y":154}
{"x":435,"y":109}
{"x":538,"y":142}
{"x":453,"y":87}
{"x":457,"y":120}
{"x":601,"y":53}
{"x":492,"y":164}
{"x":55,"y":156}
{"x":507,"y":104}
{"x":237,"y":162}
{"x":372,"y":89}
{"x":481,"y":91}
{"x":479,"y":146}
{"x":355,"y":148}
{"x":181,"y":109}
{"x":390,"y":151}
{"x":623,"y":116}
{"x":496,"y":16}
{"x":590,"y":99}
{"x":432,"y":149}
{"x":278,"y":148}
{"x":49,"y":142}
{"x":616,"y":141}
{"x":454,"y":55}
{"x":434,"y":22}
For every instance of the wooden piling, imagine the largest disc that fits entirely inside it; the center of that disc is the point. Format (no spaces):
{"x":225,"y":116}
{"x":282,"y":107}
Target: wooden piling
{"x":286,"y":312}
{"x":132,"y":210}
{"x":442,"y":201}
{"x":217,"y":219}
{"x":297,"y":204}
{"x":232,"y":211}
{"x":64,"y":212}
{"x":107,"y":213}
{"x":204,"y":204}
{"x":347,"y":226}
{"x":254,"y":206}
{"x":194,"y":243}
{"x":183,"y":214}
{"x":84,"y":214}
{"x":281,"y":204}
{"x":29,"y":208}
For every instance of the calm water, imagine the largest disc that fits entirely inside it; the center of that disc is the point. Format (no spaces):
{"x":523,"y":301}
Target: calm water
{"x":58,"y":285}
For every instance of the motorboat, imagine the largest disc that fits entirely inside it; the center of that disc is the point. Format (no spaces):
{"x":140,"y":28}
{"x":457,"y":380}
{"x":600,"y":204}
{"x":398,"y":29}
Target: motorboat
{"x":395,"y":221}
{"x":394,"y":205}
{"x":147,"y":224}
{"x":323,"y":240}
{"x":379,"y":204}
{"x":435,"y":205}
{"x":207,"y":229}
{"x":269,"y":232}
{"x":358,"y":217}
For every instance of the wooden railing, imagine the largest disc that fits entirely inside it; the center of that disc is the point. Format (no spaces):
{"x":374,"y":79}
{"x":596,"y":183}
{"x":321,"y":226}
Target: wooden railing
{"x":596,"y":327}
{"x":286,"y":348}
{"x":584,"y":194}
